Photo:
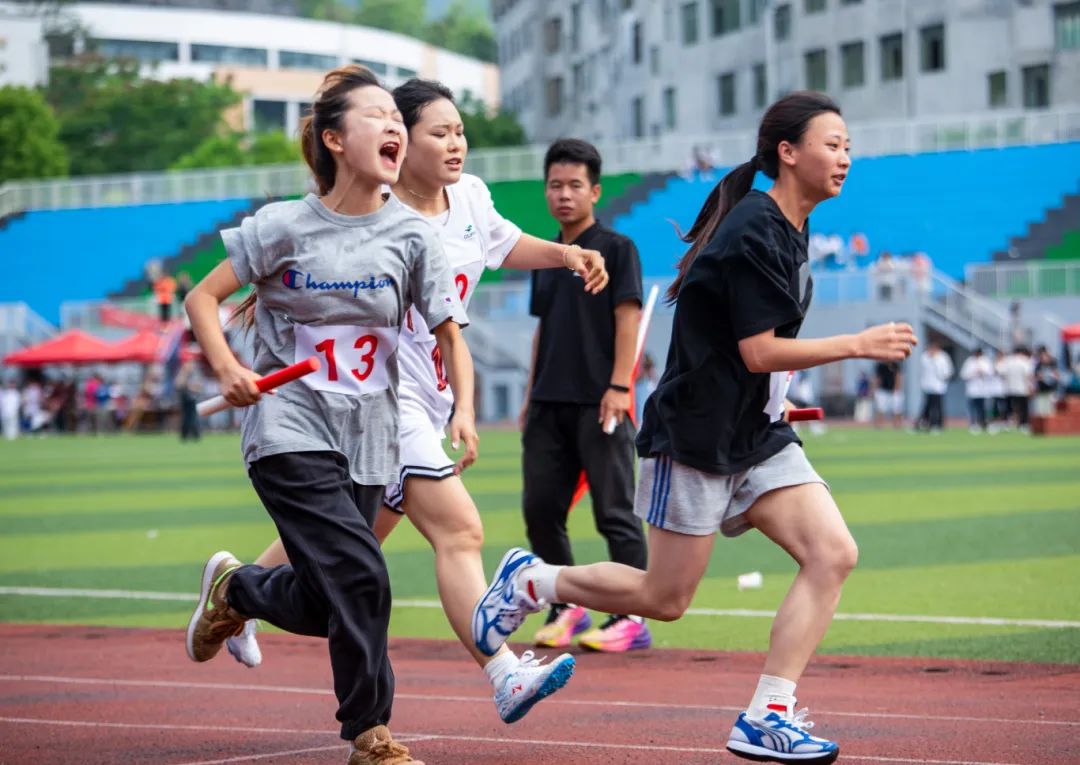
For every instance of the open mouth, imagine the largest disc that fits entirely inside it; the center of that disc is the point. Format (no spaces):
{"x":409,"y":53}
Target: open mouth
{"x":389,"y":152}
{"x":839,"y":178}
{"x":454,"y":164}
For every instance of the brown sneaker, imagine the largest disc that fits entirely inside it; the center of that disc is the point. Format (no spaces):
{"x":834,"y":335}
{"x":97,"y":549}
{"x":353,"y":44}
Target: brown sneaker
{"x":213,"y":621}
{"x":376,"y":746}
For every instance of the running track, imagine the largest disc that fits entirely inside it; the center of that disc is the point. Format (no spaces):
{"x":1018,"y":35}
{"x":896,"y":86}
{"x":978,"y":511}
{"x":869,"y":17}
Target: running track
{"x":104,"y":696}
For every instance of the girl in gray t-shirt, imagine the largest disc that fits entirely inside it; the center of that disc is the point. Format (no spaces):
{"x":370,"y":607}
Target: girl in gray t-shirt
{"x":334,"y":275}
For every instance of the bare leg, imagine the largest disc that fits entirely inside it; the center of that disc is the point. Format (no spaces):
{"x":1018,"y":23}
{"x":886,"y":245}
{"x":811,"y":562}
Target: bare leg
{"x":445,"y":514}
{"x":804,"y":521}
{"x":677,"y":563}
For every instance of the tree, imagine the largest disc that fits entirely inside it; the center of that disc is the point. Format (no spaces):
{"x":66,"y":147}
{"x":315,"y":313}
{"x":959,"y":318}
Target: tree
{"x":238,"y":150}
{"x":405,"y":16}
{"x":464,"y":29}
{"x":486,"y":130}
{"x":29,"y":147}
{"x":114,"y":121}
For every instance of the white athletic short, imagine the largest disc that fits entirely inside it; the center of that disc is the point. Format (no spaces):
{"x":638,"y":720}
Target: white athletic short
{"x":889,"y":401}
{"x":421,"y":452}
{"x":675,"y":497}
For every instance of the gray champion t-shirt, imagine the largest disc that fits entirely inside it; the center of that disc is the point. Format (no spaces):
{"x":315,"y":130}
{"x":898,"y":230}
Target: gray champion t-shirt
{"x":337,"y":286}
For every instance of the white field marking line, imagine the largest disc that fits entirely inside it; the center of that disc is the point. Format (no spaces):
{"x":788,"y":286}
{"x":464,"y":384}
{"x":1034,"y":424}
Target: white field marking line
{"x":987,"y":621}
{"x":487,"y":699}
{"x":414,"y":737}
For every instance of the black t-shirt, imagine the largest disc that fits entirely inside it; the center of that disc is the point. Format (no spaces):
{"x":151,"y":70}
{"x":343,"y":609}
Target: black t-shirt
{"x":576,"y":352}
{"x":886,"y":372}
{"x":708,"y":409}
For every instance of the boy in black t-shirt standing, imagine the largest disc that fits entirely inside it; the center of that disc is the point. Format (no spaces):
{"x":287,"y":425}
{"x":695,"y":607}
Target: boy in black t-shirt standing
{"x":583,"y":359}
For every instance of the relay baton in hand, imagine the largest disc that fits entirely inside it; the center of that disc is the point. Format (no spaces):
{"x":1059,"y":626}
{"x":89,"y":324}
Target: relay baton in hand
{"x":643,"y":330}
{"x":272,"y":380}
{"x":804,"y":415}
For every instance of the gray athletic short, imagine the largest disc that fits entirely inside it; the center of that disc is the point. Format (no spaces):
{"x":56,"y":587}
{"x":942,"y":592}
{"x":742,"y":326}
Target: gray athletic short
{"x":675,"y":497}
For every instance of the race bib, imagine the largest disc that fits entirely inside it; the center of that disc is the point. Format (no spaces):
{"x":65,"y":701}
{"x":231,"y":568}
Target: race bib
{"x":778,"y":388}
{"x":354,"y":359}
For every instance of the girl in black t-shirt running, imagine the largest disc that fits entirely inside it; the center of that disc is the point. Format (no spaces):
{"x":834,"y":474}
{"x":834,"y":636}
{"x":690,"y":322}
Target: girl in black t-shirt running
{"x":716,"y":454}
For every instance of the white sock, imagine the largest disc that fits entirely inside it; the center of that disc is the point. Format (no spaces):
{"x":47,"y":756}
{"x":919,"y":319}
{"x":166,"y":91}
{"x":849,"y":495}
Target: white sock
{"x":539,"y":581}
{"x":773,"y":694}
{"x":498,"y":668}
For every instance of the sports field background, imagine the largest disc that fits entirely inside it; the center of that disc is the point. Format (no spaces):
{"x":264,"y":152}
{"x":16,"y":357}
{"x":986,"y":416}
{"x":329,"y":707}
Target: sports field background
{"x":948,"y":526}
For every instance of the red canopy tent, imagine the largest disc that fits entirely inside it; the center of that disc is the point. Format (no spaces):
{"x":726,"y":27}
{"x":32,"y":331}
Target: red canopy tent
{"x":71,"y":347}
{"x":1071,"y":332}
{"x":145,"y":346}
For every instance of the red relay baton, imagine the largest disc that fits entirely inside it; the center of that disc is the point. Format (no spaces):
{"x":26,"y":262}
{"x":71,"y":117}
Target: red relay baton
{"x":272,"y":380}
{"x":803,"y":415}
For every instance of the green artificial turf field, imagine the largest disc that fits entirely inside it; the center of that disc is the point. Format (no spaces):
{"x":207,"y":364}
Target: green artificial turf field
{"x":948,"y":526}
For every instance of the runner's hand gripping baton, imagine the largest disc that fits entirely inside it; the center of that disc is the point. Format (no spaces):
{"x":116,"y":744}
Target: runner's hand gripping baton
{"x":803,"y":415}
{"x":643,"y":330}
{"x":272,"y":380}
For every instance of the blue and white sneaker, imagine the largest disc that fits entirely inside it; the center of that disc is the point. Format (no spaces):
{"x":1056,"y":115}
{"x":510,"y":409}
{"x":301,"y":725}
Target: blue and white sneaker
{"x":780,"y":738}
{"x":244,"y":647}
{"x":504,"y":606}
{"x":530,"y":682}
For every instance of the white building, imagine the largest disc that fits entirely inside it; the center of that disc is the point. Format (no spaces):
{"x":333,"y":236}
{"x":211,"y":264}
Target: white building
{"x":24,"y":54}
{"x":277,"y":62}
{"x":610,"y":69}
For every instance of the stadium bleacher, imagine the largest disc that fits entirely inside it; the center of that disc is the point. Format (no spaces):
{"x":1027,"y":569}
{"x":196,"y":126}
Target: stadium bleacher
{"x":957,"y":207}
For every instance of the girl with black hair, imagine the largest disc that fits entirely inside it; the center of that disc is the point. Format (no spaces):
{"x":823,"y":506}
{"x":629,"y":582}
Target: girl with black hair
{"x":427,"y":487}
{"x":716,"y":454}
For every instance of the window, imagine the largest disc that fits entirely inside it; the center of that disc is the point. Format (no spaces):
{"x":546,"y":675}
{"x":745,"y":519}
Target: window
{"x":654,"y":59}
{"x":670,"y":109}
{"x":1067,"y":26}
{"x":575,"y":26}
{"x":726,"y":93}
{"x":290,"y":59}
{"x":850,"y":2}
{"x":689,"y":23}
{"x":404,"y":72}
{"x":146,"y":51}
{"x":852,"y":64}
{"x":1036,"y":86}
{"x":635,"y":42}
{"x":755,"y":10}
{"x":782,"y":22}
{"x":552,"y":35}
{"x":892,"y":57}
{"x":553,"y":96}
{"x":932,"y":48}
{"x":227,"y":54}
{"x":378,"y":67}
{"x":997,"y":94}
{"x":637,"y":117}
{"x":269,"y":116}
{"x":815,"y":67}
{"x":725,"y":16}
{"x":578,"y":75}
{"x":813,"y":6}
{"x":760,"y":87}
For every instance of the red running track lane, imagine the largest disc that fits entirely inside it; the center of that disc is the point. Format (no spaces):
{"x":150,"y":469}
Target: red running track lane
{"x":106,"y":696}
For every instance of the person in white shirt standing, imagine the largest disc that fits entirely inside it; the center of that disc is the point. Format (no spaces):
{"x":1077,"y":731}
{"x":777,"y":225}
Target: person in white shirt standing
{"x":9,"y":411}
{"x":976,"y":373}
{"x":1018,"y":372}
{"x":935,"y":370}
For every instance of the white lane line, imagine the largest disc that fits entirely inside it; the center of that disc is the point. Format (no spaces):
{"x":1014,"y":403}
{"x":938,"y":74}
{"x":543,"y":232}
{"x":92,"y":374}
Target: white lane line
{"x":251,"y":757}
{"x":412,"y":737}
{"x":64,"y":680}
{"x":183,"y":597}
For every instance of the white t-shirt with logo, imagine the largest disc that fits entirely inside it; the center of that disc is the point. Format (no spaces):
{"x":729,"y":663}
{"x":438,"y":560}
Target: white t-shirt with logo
{"x":475,"y":236}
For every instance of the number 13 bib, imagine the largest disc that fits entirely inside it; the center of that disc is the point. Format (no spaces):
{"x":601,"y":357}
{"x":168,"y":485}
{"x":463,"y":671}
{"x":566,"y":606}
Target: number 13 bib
{"x":354,"y":359}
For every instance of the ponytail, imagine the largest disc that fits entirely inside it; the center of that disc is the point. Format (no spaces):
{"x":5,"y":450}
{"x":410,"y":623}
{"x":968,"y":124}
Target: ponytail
{"x":725,"y":195}
{"x":784,"y":121}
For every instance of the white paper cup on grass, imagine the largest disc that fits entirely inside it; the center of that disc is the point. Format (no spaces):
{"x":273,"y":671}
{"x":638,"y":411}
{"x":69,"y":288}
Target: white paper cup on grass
{"x":751,"y":581}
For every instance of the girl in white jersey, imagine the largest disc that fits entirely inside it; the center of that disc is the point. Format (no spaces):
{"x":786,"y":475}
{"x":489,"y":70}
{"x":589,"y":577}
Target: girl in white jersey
{"x":428,"y":489}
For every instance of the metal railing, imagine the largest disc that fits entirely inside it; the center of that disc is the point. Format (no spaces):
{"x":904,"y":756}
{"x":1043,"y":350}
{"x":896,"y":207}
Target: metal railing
{"x":1026,"y":279}
{"x":21,"y":326}
{"x":662,"y":154}
{"x":984,"y":321}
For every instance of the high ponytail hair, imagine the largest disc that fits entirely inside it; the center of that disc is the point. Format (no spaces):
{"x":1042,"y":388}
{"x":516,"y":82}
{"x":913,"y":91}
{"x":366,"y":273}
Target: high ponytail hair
{"x":785,"y":120}
{"x":330,"y":104}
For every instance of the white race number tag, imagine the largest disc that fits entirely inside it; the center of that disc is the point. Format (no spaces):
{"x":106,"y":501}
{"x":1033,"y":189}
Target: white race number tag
{"x":778,"y":388}
{"x":354,"y":359}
